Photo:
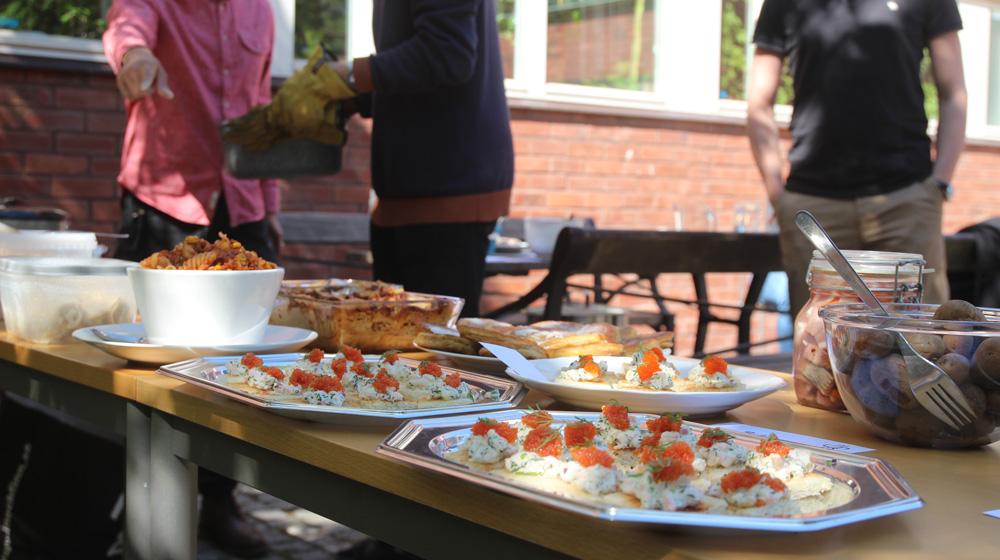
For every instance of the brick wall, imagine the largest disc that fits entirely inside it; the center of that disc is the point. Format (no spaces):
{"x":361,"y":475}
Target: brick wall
{"x":61,"y":134}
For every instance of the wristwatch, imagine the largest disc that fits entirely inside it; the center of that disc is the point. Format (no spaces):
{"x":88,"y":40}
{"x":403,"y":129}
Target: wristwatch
{"x":947,"y":191}
{"x":350,"y":75}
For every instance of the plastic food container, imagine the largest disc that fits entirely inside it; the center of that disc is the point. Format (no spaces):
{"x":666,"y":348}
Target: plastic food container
{"x":36,"y":243}
{"x":871,"y":375}
{"x":46,"y":298}
{"x":371,"y":316}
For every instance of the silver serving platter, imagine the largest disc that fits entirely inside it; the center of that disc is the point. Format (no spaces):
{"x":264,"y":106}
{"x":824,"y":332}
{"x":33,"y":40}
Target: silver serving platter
{"x":204,"y":372}
{"x":878,"y":488}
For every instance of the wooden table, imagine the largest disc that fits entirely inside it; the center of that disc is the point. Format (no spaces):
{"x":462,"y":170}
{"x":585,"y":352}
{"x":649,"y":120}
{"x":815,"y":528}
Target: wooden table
{"x":333,"y":470}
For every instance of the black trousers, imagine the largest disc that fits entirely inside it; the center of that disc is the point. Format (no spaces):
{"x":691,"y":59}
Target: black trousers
{"x":444,"y":259}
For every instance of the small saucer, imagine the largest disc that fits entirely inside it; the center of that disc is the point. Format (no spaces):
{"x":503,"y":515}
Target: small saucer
{"x":277,"y":339}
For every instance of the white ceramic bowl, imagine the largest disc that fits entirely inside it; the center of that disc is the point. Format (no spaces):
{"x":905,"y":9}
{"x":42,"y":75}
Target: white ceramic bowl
{"x":205,"y":307}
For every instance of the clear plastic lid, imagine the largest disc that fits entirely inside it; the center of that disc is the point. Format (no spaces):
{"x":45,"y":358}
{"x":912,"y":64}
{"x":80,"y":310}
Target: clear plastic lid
{"x":873,"y":262}
{"x":65,"y":266}
{"x":37,"y":243}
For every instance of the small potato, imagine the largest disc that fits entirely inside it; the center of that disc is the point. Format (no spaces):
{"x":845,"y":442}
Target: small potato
{"x":993,"y":401}
{"x":985,"y":370}
{"x":958,"y":310}
{"x":874,"y":343}
{"x":956,"y":366}
{"x":871,"y":397}
{"x":918,"y":426}
{"x":930,"y":346}
{"x":958,"y":344}
{"x":889,"y":376}
{"x":976,"y":397}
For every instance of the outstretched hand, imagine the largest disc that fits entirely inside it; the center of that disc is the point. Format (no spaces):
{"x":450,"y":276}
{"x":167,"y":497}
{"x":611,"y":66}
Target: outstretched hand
{"x":140,"y":72}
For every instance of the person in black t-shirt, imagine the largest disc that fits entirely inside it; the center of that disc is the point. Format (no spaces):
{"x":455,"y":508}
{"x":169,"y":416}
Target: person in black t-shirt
{"x":860,"y":159}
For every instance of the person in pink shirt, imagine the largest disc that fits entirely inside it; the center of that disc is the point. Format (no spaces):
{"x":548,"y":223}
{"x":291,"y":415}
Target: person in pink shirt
{"x":183,"y":67}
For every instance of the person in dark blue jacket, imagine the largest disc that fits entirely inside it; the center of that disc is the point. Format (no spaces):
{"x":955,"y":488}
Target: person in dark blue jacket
{"x":442,"y":156}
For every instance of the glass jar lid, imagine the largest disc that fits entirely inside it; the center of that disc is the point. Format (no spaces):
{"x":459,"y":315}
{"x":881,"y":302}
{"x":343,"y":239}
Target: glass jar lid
{"x":874,"y":262}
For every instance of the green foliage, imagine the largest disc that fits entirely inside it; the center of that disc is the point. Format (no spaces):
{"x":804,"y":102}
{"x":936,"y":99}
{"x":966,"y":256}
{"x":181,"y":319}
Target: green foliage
{"x":732,"y":71}
{"x":505,"y":19}
{"x":930,"y":90}
{"x":73,"y":18}
{"x":320,"y":21}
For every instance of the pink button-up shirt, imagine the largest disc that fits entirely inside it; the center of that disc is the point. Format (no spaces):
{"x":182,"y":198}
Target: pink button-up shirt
{"x":217,"y":54}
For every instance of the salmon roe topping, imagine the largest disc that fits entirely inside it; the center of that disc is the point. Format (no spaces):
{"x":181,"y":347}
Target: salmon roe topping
{"x":580,"y":433}
{"x":772,"y":445}
{"x":390,"y":357}
{"x":647,"y":370}
{"x":658,"y":353}
{"x":453,"y":380}
{"x":666,"y":422}
{"x":617,"y":415}
{"x":383,"y":382}
{"x":274,"y":372}
{"x":503,"y":429}
{"x":536,"y":419}
{"x":430,"y":368}
{"x":352,"y":354}
{"x":301,"y":378}
{"x":327,"y":383}
{"x":712,"y":436}
{"x":362,"y":369}
{"x":714,"y":364}
{"x":251,"y":360}
{"x":650,"y":357}
{"x":670,"y":462}
{"x":590,"y":456}
{"x":544,"y":441}
{"x":316,"y":356}
{"x":339,"y":367}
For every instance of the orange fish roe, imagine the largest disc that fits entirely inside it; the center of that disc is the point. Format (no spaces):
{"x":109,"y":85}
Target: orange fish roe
{"x":383,"y":381}
{"x":352,"y":354}
{"x":327,"y":383}
{"x":713,"y":364}
{"x":579,"y":433}
{"x":658,"y":353}
{"x":453,"y":380}
{"x":652,"y":440}
{"x":670,"y":462}
{"x":773,"y":445}
{"x":536,"y":419}
{"x":666,"y":422}
{"x":588,"y":365}
{"x":274,"y":372}
{"x":252,"y":361}
{"x":316,"y":356}
{"x":650,"y":357}
{"x":544,"y":441}
{"x":647,"y":370}
{"x":590,"y":456}
{"x":390,"y":357}
{"x":503,"y":429}
{"x":712,"y":436}
{"x":741,"y":480}
{"x":617,"y":415}
{"x":301,"y":378}
{"x":429,"y":368}
{"x":339,"y":367}
{"x":362,"y":369}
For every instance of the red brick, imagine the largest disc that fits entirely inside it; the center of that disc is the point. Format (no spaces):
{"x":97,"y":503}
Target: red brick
{"x":45,"y":77}
{"x":9,"y":162}
{"x":86,"y":143}
{"x":53,"y":120}
{"x":106,"y":211}
{"x":11,"y":75}
{"x":25,"y":95}
{"x":23,"y":186}
{"x":85,"y":98}
{"x":26,"y":141}
{"x":79,"y":210}
{"x":74,"y":188}
{"x":10,"y":119}
{"x":105,"y":166}
{"x":48,"y":164}
{"x":106,"y":122}
{"x":102,"y":81}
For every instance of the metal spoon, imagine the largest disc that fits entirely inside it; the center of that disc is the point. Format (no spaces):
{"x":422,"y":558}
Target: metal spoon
{"x":118,"y":338}
{"x":932,"y":387}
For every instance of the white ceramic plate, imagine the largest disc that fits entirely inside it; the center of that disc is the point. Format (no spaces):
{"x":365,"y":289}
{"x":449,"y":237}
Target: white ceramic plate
{"x":277,"y":339}
{"x":758,"y":384}
{"x":482,"y":364}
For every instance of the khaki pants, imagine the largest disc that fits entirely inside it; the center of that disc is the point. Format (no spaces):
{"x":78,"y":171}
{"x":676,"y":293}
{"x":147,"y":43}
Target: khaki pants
{"x":907,"y":220}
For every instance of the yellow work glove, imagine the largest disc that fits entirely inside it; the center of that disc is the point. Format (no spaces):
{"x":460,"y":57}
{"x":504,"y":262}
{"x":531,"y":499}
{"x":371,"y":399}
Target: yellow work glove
{"x":306,"y":105}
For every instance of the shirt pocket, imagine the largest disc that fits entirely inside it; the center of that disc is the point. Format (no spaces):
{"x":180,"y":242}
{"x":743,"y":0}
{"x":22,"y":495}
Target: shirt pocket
{"x":253,"y":39}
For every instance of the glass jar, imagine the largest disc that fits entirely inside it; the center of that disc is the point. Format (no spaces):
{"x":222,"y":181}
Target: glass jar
{"x":892,"y":277}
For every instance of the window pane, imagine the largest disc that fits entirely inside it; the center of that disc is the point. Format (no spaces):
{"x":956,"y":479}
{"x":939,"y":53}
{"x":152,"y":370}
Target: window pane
{"x":320,"y":21}
{"x":734,"y":64}
{"x":603,"y":43}
{"x":993,"y":99}
{"x":506,"y":24}
{"x":73,"y":18}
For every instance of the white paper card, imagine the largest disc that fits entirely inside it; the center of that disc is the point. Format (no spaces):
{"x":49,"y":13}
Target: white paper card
{"x":515,"y":361}
{"x":795,"y":438}
{"x":994,"y":513}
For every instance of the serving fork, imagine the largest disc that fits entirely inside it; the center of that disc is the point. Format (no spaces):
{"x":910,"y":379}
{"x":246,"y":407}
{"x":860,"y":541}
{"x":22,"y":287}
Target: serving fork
{"x":931,"y":386}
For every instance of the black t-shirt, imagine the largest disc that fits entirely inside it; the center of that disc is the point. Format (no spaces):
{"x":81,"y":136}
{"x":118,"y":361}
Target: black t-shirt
{"x":858,"y":122}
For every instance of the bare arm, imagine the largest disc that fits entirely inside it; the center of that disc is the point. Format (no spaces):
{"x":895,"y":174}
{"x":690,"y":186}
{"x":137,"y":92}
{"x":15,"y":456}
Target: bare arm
{"x":946,"y":64}
{"x":762,"y":128}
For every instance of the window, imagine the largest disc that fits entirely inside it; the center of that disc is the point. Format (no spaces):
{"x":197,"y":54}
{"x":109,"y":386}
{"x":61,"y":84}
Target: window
{"x":506,"y":21}
{"x":73,"y":18}
{"x":739,"y":17}
{"x":601,"y":43}
{"x":993,"y":96}
{"x":320,"y":21}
